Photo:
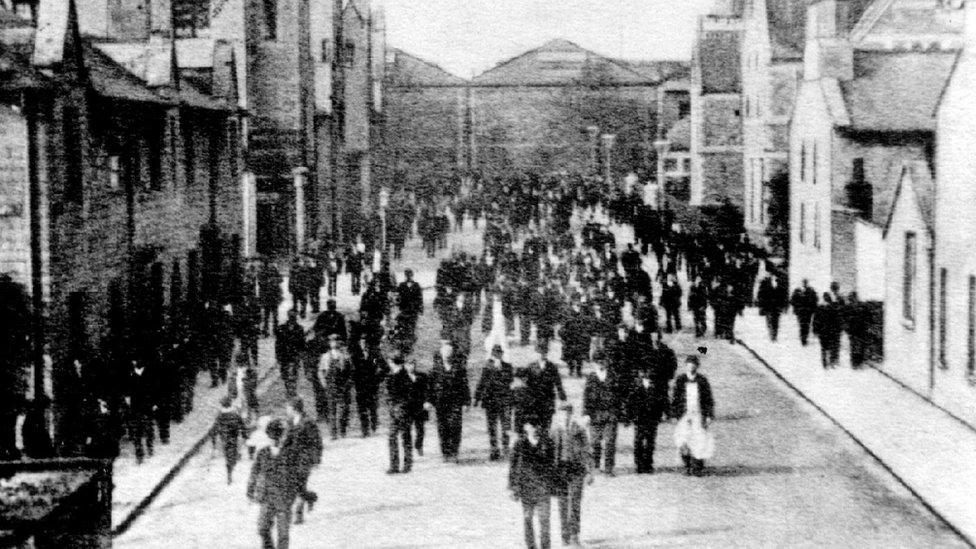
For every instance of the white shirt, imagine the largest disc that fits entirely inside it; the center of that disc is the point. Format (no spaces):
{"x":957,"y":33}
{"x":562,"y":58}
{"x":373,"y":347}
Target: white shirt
{"x":692,"y":404}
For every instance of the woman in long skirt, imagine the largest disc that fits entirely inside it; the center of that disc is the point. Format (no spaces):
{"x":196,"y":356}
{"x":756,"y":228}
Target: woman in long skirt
{"x":694,"y":407}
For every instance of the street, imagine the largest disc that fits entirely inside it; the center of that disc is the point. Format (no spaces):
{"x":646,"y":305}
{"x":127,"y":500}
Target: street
{"x":782,"y":476}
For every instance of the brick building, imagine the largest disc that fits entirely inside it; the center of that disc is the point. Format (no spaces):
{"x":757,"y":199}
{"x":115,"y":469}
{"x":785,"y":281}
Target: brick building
{"x":135,"y":209}
{"x":716,"y":107}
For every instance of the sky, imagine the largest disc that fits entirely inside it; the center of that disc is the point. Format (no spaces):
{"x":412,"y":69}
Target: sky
{"x":467,"y":37}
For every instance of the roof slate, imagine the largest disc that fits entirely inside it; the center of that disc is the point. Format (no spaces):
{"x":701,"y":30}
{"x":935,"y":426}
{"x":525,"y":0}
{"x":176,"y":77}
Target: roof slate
{"x":112,"y":80}
{"x":896,"y":91}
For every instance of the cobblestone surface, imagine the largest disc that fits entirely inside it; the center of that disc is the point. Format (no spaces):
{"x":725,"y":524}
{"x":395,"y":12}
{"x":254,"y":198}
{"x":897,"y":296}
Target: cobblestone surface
{"x":782,"y":476}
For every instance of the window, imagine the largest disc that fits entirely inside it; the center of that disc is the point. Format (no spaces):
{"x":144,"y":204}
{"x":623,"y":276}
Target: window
{"x":326,"y":54}
{"x":348,"y":54}
{"x":670,"y":165}
{"x":189,"y":154}
{"x":174,"y":148}
{"x":684,"y":109}
{"x":114,"y":166}
{"x":814,"y":161}
{"x":271,"y":19}
{"x":816,"y":225}
{"x":971,"y":329}
{"x":803,"y":162}
{"x":686,"y":165}
{"x":908,"y":279}
{"x":943,"y":280}
{"x":73,"y":177}
{"x":154,"y":148}
{"x":803,"y":223}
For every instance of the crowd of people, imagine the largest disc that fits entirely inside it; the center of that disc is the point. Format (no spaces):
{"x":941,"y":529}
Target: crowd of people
{"x":540,"y":279}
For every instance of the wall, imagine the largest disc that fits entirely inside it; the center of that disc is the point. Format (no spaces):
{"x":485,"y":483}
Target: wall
{"x":955,"y":229}
{"x":543,"y":128}
{"x":907,"y":341}
{"x":15,"y":244}
{"x":869,"y":261}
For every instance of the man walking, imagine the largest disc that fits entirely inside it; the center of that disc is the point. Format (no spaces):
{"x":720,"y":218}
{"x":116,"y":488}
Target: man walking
{"x":398,"y":389}
{"x":494,"y":393}
{"x":804,"y":301}
{"x":772,"y":300}
{"x":302,"y":452}
{"x":410,"y":302}
{"x":648,"y":403}
{"x":600,"y":405}
{"x":530,"y":481}
{"x":671,"y":303}
{"x":270,"y":485}
{"x":289,"y":348}
{"x":335,"y":375}
{"x":698,"y":304}
{"x":269,"y":290}
{"x":449,"y":379}
{"x":573,"y":470}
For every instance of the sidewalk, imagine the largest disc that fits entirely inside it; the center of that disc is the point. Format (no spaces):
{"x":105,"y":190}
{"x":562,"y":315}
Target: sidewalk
{"x":136,"y":486}
{"x":927,"y":450}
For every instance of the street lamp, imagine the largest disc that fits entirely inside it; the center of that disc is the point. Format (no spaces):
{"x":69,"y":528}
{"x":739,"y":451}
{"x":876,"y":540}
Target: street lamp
{"x":661,"y":146}
{"x":608,"y":139}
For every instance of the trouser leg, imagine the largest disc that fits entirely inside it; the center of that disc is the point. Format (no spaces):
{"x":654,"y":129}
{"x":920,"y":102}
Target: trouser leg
{"x":528,"y":511}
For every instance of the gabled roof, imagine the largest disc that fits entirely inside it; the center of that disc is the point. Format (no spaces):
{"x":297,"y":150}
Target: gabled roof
{"x":896,"y":91}
{"x":559,"y":63}
{"x":915,"y":180}
{"x":113,"y":81}
{"x":408,"y":70}
{"x":150,"y":62}
{"x":719,"y":59}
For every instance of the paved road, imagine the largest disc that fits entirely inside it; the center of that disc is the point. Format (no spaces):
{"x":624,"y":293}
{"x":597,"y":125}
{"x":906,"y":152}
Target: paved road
{"x":782,"y":476}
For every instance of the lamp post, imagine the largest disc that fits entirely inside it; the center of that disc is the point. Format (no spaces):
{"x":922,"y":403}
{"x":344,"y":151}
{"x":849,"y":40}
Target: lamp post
{"x":661,"y":146}
{"x":608,"y":139}
{"x":384,"y":203}
{"x":594,"y":133}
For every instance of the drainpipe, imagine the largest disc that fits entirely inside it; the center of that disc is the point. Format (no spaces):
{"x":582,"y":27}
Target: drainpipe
{"x":32,"y":112}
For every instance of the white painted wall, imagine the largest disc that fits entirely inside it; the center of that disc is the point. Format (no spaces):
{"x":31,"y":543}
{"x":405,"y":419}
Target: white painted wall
{"x":870,"y":259}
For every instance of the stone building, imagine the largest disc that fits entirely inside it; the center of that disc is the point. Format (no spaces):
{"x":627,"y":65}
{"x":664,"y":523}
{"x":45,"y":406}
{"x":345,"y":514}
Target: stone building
{"x":135,"y":209}
{"x":716,"y":110}
{"x":531,"y":113}
{"x":674,"y":132}
{"x":771,"y":64}
{"x":873,"y":73}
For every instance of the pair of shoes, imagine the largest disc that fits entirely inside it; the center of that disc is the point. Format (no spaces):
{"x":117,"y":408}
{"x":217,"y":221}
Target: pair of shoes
{"x":610,"y":473}
{"x":299,"y":519}
{"x":392,"y":471}
{"x":494,"y":456}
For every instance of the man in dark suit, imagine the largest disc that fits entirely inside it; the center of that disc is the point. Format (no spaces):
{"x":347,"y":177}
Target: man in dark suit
{"x":330,"y":322}
{"x":543,"y":386}
{"x":410,"y":301}
{"x":140,"y":400}
{"x":398,"y":390}
{"x":698,"y":305}
{"x":494,"y":393}
{"x":418,"y":403}
{"x":601,"y":404}
{"x":772,"y":300}
{"x":449,"y":383}
{"x":648,"y":402}
{"x":289,"y":347}
{"x":804,"y":302}
{"x":302,"y":452}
